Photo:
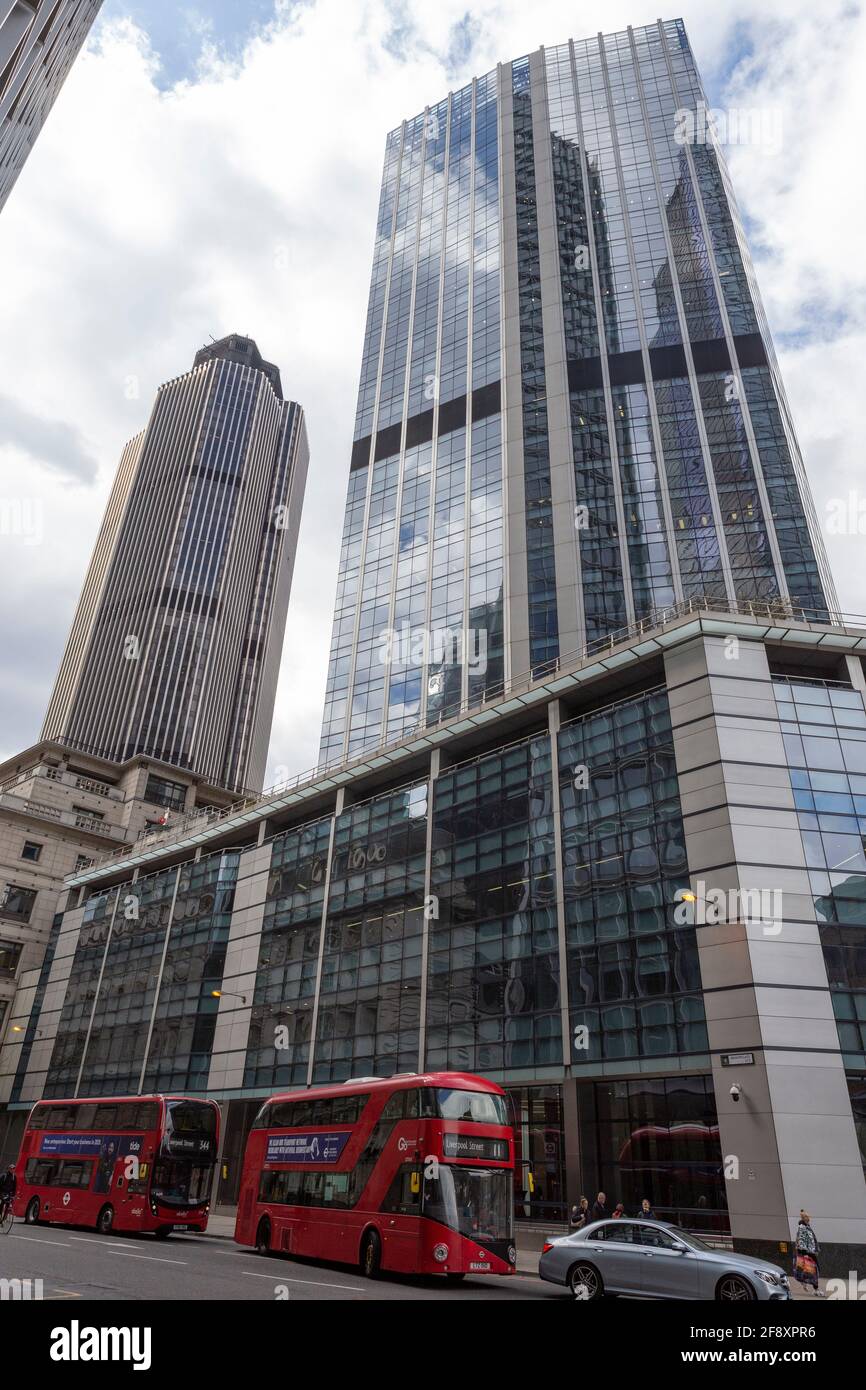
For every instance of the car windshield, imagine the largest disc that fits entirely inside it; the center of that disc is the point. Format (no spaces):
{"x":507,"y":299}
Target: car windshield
{"x":477,"y":1202}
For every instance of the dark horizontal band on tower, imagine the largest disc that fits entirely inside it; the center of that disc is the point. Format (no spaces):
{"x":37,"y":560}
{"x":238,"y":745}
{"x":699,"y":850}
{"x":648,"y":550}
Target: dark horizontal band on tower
{"x":625,"y":369}
{"x":486,"y":400}
{"x":667,"y":363}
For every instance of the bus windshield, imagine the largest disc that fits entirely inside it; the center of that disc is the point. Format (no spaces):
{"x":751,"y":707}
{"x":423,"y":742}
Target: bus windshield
{"x":481,"y":1107}
{"x":179,"y":1183}
{"x":474,"y":1201}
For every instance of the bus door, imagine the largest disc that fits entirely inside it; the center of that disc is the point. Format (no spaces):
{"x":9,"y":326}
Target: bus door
{"x":399,"y":1221}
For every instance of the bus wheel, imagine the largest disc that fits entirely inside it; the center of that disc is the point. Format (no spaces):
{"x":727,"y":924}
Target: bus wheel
{"x":31,"y":1215}
{"x":371,"y":1255}
{"x":105,"y":1221}
{"x":454,"y":1278}
{"x":263,"y":1238}
{"x":163,"y":1232}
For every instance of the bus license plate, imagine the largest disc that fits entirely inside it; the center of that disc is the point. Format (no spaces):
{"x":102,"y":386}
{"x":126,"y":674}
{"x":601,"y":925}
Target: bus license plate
{"x":478,"y":1267}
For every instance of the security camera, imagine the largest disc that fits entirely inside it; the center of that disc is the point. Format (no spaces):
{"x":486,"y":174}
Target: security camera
{"x":736,"y":1091}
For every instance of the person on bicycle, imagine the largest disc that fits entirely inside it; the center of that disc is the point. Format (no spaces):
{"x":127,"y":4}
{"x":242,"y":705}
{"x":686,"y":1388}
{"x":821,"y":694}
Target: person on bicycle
{"x":8,"y":1188}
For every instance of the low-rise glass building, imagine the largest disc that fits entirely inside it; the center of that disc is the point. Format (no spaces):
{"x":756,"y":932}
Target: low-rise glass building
{"x":623,"y":891}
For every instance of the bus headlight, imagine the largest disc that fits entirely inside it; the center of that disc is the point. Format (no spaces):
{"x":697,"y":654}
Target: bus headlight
{"x":440,"y":1253}
{"x":512,"y":1255}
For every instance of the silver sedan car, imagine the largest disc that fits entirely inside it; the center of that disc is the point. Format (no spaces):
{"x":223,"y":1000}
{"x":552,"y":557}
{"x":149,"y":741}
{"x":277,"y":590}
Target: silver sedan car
{"x":654,"y":1260}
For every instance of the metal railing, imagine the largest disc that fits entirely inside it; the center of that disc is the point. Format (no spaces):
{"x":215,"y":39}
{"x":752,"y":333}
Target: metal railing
{"x":775,"y":611}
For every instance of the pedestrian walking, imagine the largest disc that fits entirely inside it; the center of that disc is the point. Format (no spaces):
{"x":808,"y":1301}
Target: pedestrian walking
{"x":806,"y":1252}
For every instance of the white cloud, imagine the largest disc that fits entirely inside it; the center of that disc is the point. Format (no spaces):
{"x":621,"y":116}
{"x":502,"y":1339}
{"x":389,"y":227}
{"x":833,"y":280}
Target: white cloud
{"x":245,"y":200}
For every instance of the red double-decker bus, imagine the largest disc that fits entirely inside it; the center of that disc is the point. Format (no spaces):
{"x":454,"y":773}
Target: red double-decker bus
{"x":411,"y":1174}
{"x":137,"y":1163}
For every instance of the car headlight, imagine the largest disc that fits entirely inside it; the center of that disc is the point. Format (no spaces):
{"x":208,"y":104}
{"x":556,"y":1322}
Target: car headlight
{"x":773,"y":1280}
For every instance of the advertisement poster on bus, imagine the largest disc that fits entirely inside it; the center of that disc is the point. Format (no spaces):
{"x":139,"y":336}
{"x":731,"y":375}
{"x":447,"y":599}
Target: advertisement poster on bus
{"x":316,"y":1146}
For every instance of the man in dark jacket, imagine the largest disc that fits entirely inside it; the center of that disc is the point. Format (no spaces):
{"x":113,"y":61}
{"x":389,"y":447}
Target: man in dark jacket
{"x":599,"y":1210}
{"x":8,"y":1187}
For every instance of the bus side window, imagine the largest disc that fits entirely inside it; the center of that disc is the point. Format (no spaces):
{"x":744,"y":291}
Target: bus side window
{"x":40,"y":1172}
{"x":395,"y":1107}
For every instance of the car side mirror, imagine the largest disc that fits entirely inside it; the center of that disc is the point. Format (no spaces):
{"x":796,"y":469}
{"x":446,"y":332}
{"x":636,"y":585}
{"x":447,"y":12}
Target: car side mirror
{"x":681,"y":1249}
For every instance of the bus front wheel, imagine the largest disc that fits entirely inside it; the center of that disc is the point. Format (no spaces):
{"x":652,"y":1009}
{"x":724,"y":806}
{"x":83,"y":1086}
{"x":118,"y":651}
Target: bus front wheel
{"x":163,"y":1232}
{"x":263,"y":1238}
{"x":105,"y":1221}
{"x":31,"y":1215}
{"x":371,"y":1255}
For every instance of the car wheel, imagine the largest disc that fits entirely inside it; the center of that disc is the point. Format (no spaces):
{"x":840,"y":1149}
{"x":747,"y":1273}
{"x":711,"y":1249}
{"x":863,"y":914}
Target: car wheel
{"x":31,"y":1215}
{"x":263,"y":1238}
{"x":371,"y":1255}
{"x":585,"y":1282}
{"x":733,"y":1289}
{"x":105,"y":1221}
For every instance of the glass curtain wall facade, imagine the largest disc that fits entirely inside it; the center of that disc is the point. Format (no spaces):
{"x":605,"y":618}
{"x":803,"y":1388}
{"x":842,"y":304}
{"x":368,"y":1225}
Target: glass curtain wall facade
{"x":517,"y":493}
{"x":430,"y":927}
{"x":824,"y":729}
{"x":139,"y":1013}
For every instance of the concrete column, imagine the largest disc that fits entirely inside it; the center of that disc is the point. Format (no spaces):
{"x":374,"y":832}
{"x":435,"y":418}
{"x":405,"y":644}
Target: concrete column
{"x":569,"y":590}
{"x":789,"y":1141}
{"x":514,"y":497}
{"x":231,"y":1035}
{"x":435,"y":769}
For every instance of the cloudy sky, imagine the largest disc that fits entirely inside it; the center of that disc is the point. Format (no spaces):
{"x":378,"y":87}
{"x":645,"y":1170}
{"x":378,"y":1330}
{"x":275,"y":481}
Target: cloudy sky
{"x":215,"y":167}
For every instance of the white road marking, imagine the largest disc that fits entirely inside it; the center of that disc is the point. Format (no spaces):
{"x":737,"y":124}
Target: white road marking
{"x":158,"y":1259}
{"x":101,"y":1240}
{"x":315,"y":1283}
{"x":40,"y":1240}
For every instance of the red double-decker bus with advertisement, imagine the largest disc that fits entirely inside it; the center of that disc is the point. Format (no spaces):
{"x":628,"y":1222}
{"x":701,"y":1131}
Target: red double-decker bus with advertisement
{"x":134,"y":1163}
{"x":412,"y":1174}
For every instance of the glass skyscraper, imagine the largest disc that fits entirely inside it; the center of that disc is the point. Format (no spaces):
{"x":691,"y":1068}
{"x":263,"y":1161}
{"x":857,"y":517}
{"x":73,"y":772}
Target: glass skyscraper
{"x":570,"y":414}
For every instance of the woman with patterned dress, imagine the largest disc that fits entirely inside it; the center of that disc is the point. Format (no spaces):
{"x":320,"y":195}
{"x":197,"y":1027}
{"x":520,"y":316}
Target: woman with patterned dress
{"x":806,"y":1251}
